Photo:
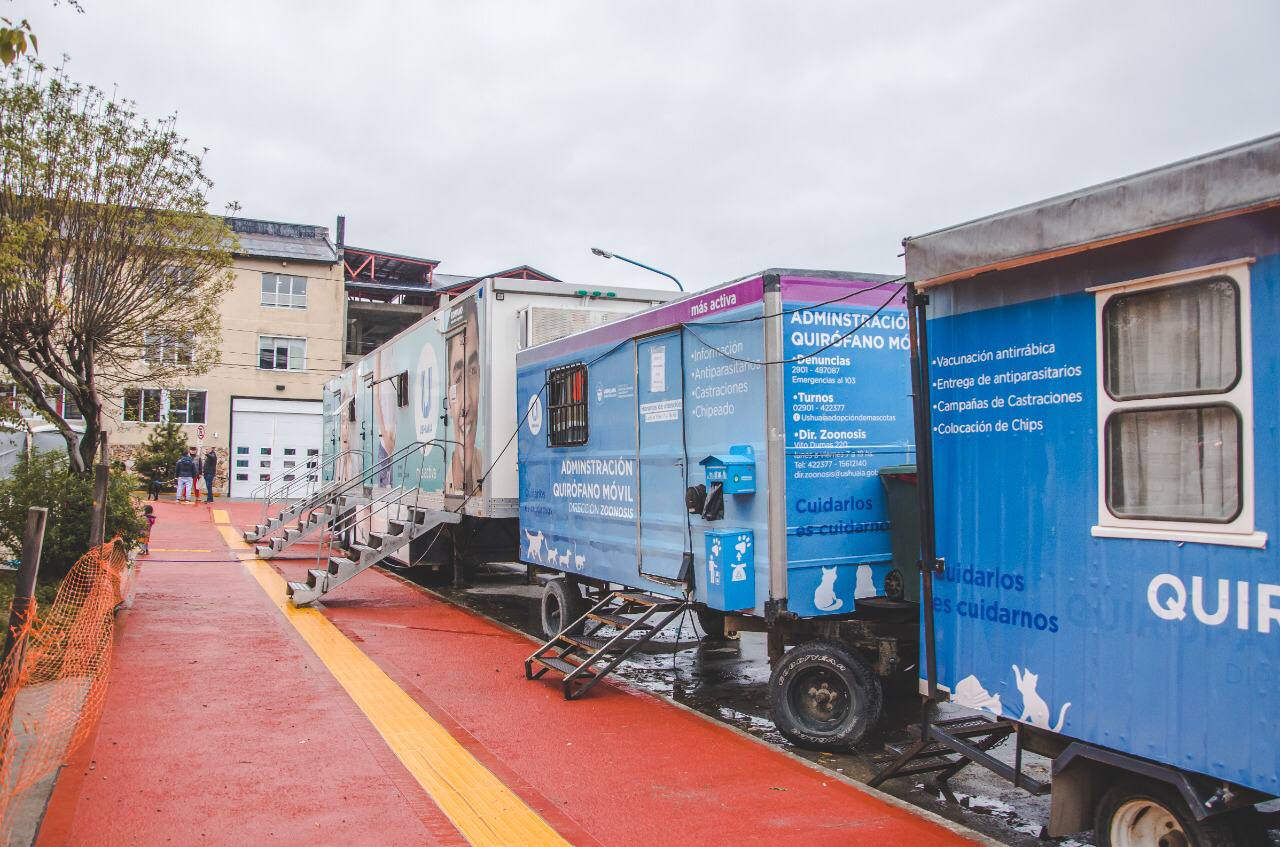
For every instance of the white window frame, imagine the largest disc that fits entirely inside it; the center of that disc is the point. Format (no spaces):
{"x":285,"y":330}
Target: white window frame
{"x":167,"y":348}
{"x":289,"y":368}
{"x":279,"y":299}
{"x":1240,"y":531}
{"x":164,"y":405}
{"x":168,"y":404}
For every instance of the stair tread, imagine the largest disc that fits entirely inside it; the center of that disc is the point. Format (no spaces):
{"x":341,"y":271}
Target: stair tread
{"x":298,"y":587}
{"x":595,"y":644}
{"x":618,"y":621}
{"x":340,"y":561}
{"x":648,"y":599}
{"x":560,"y":665}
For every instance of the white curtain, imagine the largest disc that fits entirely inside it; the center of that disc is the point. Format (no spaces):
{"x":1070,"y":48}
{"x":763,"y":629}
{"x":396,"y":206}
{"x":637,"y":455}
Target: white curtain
{"x":1175,"y":340}
{"x":1174,"y":463}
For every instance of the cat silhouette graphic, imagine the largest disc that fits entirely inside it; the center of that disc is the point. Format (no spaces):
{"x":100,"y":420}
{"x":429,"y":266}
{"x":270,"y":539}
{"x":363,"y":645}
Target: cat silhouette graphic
{"x":1035,"y":710}
{"x":824,"y":598}
{"x":579,"y":562}
{"x":551,"y":556}
{"x":535,"y":545}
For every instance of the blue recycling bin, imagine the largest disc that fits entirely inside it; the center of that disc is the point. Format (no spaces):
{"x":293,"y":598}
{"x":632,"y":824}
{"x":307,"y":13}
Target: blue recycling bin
{"x":731,"y":569}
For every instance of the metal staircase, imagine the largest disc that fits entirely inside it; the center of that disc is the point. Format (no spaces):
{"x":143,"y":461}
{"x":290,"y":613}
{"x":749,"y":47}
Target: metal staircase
{"x":399,"y":508}
{"x":608,"y":637}
{"x":945,"y":747}
{"x":322,"y":508}
{"x":299,"y":501}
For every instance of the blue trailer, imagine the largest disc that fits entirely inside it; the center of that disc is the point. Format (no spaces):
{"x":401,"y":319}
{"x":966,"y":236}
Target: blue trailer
{"x":1099,"y":376}
{"x":723,"y":451}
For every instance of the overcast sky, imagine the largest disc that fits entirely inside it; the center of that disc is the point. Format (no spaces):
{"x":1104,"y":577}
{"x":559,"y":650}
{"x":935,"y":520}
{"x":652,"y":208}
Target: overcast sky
{"x":709,"y":138}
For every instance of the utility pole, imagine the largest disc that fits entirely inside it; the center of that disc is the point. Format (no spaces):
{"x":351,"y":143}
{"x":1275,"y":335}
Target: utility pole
{"x":24,"y":587}
{"x":98,"y":522}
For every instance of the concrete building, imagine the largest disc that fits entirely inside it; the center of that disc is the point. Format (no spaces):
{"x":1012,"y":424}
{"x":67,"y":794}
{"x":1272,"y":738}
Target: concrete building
{"x":282,"y":337}
{"x":301,"y":308}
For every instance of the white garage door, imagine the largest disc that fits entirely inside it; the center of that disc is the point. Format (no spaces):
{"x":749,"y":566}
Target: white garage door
{"x":271,"y":443}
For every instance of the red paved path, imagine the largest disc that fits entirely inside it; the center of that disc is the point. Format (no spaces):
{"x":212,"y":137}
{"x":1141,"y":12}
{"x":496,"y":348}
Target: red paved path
{"x":212,"y":694}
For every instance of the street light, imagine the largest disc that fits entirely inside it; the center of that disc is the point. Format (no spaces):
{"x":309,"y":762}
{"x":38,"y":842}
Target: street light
{"x":605,"y":254}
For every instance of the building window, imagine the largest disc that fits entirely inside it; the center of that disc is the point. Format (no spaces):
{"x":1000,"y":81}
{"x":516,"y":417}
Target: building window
{"x":161,"y":348}
{"x":567,"y":406}
{"x":1174,"y":408}
{"x":70,"y":411}
{"x":153,"y":405}
{"x":186,"y":406}
{"x":284,"y":291}
{"x":242,"y":463}
{"x":277,"y":353}
{"x":242,"y":477}
{"x":242,"y":451}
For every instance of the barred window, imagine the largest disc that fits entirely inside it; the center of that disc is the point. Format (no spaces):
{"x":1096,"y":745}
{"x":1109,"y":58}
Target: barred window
{"x":567,"y":406}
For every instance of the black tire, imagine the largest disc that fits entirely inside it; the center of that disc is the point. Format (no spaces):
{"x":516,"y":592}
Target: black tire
{"x":562,"y":604}
{"x":712,"y":623}
{"x":824,"y":697}
{"x":1146,"y":813}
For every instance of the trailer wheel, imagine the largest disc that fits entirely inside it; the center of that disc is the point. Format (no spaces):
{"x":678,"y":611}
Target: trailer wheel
{"x":1143,"y":813}
{"x":562,"y":604}
{"x":712,"y":623}
{"x":824,"y":696}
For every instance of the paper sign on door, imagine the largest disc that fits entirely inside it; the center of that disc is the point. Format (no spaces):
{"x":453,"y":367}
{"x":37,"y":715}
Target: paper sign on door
{"x":657,"y":369}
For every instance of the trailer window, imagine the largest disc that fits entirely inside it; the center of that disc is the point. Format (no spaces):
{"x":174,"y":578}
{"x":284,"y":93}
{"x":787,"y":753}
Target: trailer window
{"x":1174,"y":408}
{"x":1179,"y":464}
{"x":1173,"y":341}
{"x":567,"y":406}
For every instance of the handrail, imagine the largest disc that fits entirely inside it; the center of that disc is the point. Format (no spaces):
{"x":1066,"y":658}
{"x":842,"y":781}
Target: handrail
{"x":312,"y":500}
{"x":273,"y":488}
{"x":394,"y":496}
{"x":312,"y":474}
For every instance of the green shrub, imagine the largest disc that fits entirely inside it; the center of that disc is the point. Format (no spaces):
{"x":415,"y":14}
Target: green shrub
{"x":160,"y":453}
{"x":45,"y":479}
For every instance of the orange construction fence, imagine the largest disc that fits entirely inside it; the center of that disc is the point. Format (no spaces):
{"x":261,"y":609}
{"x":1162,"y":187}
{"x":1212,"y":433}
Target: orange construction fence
{"x":55,"y":679}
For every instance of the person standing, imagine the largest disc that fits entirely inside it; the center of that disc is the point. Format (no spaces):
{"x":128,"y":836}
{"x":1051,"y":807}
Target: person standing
{"x":210,"y":471}
{"x":188,"y":468}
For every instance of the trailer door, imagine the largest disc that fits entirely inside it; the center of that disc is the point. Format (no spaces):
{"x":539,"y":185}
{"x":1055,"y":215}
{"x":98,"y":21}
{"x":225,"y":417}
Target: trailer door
{"x":662,"y":521}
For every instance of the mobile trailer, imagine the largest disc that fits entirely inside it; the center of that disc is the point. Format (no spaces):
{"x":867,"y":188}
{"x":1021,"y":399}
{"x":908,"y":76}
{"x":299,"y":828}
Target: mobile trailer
{"x":448,"y":384}
{"x":1101,"y":375}
{"x":723,"y":451}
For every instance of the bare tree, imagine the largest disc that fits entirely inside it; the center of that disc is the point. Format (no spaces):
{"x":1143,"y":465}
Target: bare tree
{"x":110,"y":266}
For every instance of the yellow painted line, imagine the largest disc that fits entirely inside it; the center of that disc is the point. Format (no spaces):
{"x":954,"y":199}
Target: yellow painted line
{"x":221,"y":516}
{"x":481,"y":806}
{"x":178,"y":550}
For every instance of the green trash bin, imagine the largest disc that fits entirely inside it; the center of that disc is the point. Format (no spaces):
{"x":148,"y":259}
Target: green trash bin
{"x":900,"y":484}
